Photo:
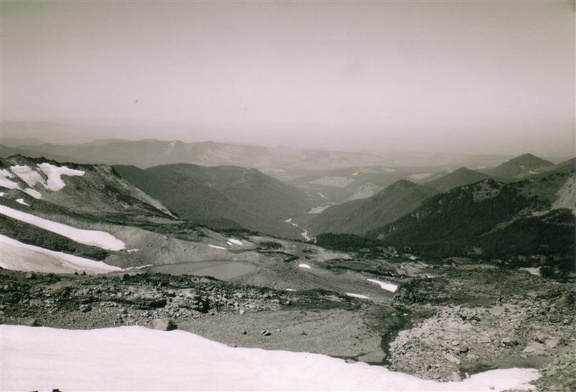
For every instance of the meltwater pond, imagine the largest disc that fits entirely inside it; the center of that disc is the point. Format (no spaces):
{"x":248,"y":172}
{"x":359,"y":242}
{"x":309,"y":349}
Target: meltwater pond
{"x":223,"y":270}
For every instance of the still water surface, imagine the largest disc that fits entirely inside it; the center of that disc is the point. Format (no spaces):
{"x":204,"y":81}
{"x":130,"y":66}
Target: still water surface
{"x":223,"y":270}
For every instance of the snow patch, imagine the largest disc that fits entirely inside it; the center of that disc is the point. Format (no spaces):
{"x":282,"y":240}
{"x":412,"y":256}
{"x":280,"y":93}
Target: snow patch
{"x":1,"y":194}
{"x":15,"y":255}
{"x":216,"y":247}
{"x":133,"y":250}
{"x":33,"y":192}
{"x":305,"y":266}
{"x":305,"y":235}
{"x":233,"y":241}
{"x":290,"y":290}
{"x":136,"y":359}
{"x":27,"y":175}
{"x":532,"y":271}
{"x":354,"y":295}
{"x":292,"y":223}
{"x":55,"y":173}
{"x":21,"y":201}
{"x":100,"y":239}
{"x":317,"y":210}
{"x":385,"y":285}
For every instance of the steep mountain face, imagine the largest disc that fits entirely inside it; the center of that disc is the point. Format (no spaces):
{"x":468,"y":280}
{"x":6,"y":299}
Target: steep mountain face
{"x":457,"y":178}
{"x":491,"y":218}
{"x":222,"y":197}
{"x":521,"y":166}
{"x":361,"y":216}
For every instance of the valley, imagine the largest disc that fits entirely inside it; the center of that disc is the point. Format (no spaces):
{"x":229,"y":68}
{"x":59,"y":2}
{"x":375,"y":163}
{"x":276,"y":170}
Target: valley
{"x":443,"y":274}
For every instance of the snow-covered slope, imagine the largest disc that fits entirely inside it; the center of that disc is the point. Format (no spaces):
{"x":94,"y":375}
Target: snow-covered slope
{"x":140,"y":359}
{"x":100,"y":239}
{"x":15,"y":255}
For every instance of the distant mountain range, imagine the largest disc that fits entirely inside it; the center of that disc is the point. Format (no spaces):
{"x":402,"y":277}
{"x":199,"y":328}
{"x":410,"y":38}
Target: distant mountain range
{"x":148,"y":153}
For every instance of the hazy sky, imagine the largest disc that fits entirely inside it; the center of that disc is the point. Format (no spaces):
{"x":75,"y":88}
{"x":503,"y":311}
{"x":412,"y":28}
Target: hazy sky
{"x":485,"y":77}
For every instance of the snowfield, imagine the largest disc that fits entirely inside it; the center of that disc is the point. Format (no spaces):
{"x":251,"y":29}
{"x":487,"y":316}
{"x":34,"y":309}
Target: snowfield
{"x":100,"y":239}
{"x":141,"y":359}
{"x":15,"y":255}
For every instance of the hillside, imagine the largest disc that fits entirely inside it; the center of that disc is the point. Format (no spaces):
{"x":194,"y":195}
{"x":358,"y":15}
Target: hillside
{"x":361,"y":216}
{"x":521,"y":166}
{"x":492,"y":219}
{"x":222,"y":197}
{"x":79,"y":188}
{"x":457,"y":178}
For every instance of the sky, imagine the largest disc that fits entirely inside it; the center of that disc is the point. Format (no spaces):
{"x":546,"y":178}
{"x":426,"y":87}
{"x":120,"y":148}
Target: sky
{"x":451,"y":76}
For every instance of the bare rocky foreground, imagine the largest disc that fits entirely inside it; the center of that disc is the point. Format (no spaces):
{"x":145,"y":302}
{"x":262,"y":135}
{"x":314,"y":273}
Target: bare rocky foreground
{"x":444,"y":323}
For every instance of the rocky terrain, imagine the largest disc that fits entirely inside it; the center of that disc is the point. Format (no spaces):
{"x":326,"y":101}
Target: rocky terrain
{"x":446,"y":322}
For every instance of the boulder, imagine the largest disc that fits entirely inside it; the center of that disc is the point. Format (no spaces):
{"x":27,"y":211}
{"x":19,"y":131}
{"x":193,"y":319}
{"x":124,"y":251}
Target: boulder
{"x":163,"y":324}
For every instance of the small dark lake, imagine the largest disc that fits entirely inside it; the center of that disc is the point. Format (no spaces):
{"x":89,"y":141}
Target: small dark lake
{"x":223,"y":270}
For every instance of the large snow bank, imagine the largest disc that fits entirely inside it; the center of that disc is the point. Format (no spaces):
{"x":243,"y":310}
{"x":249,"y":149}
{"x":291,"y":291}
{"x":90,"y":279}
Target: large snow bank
{"x":15,"y":255}
{"x":55,"y":173}
{"x":141,"y":359}
{"x":100,"y":239}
